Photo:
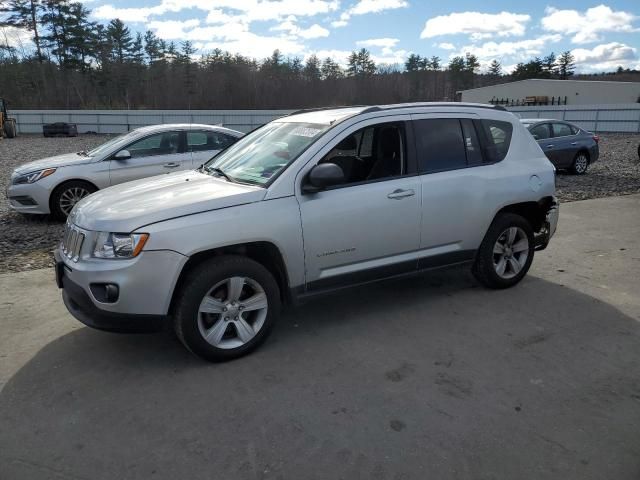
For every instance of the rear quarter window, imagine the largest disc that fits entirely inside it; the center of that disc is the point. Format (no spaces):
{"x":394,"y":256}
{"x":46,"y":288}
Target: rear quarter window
{"x":496,"y":138}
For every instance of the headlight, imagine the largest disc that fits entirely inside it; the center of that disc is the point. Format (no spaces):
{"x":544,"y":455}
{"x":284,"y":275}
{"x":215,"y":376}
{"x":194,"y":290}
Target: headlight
{"x":33,"y":176}
{"x":119,"y":245}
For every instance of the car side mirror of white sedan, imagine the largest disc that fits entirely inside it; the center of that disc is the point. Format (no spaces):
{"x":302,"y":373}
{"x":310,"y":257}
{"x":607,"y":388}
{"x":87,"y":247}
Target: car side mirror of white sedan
{"x":122,"y":155}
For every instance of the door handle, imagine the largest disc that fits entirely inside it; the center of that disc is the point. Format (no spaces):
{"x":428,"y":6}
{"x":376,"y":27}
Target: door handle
{"x":574,"y":143}
{"x":399,"y":193}
{"x":549,"y":146}
{"x":171,"y":165}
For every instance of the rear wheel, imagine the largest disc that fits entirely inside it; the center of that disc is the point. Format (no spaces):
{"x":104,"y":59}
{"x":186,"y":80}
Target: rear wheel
{"x":226,"y":308}
{"x":65,"y":196}
{"x":580,"y":163}
{"x":10,"y":129}
{"x":506,"y":253}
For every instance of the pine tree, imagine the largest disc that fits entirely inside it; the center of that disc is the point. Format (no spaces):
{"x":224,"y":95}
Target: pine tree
{"x":434,"y":63}
{"x":360,"y":63}
{"x":312,"y":68}
{"x":495,"y":68}
{"x":549,"y":65}
{"x":566,"y":65}
{"x":414,"y":63}
{"x":24,"y":14}
{"x":330,"y":69}
{"x":120,"y":40}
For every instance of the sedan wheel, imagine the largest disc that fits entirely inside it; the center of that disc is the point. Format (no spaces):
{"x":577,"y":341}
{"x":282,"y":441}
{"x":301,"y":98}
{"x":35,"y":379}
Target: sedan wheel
{"x":232,"y":312}
{"x":70,"y":197}
{"x":510,"y":252}
{"x":580,"y":164}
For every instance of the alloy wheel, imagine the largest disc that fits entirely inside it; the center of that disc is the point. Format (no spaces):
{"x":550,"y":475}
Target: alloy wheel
{"x":510,"y":252}
{"x":581,"y":163}
{"x":232,"y":312}
{"x":70,"y":197}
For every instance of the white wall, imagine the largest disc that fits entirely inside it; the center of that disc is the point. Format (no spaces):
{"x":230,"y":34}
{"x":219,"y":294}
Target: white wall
{"x":577,"y":92}
{"x":594,"y":118}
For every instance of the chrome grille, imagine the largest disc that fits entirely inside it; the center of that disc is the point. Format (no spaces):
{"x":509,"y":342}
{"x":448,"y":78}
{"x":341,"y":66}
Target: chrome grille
{"x":72,"y":240}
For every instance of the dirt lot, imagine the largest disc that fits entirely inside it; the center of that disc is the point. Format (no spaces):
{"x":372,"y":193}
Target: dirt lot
{"x":425,"y":378}
{"x":26,"y":242}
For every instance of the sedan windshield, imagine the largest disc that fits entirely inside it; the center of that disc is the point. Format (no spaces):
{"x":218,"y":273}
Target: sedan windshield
{"x":265,"y":152}
{"x":105,"y":147}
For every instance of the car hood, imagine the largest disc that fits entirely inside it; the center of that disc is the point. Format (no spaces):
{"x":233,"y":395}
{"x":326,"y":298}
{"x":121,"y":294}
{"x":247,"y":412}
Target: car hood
{"x":128,"y":206}
{"x":53,"y":162}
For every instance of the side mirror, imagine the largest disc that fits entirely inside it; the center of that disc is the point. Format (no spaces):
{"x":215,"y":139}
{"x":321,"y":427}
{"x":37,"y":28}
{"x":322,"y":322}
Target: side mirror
{"x":122,"y":155}
{"x":536,"y":137}
{"x":322,"y":176}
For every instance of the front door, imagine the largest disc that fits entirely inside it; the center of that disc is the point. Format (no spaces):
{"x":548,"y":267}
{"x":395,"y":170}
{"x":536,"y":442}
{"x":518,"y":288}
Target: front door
{"x":368,"y":227}
{"x":152,"y":155}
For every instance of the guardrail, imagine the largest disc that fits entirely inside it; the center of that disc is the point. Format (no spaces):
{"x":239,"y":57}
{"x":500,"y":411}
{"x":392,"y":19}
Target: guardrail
{"x":120,"y":121}
{"x":624,"y":117}
{"x":595,"y":118}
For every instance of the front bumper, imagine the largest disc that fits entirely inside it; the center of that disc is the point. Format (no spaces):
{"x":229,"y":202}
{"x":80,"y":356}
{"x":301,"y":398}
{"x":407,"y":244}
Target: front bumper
{"x":145,"y":286}
{"x":29,"y":197}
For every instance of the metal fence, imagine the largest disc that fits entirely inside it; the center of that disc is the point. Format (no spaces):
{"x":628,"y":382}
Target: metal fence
{"x":624,"y":117}
{"x":119,"y":121}
{"x":595,"y":118}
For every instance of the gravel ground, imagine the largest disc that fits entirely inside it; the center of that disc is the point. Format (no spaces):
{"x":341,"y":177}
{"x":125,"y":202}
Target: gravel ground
{"x":27,"y":242}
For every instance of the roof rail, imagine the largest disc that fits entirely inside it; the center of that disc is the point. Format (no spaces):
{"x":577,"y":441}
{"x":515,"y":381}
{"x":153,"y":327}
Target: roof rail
{"x":320,"y":109}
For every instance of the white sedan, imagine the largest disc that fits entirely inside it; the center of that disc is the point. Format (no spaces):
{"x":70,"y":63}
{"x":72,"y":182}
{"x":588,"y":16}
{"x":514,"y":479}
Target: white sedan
{"x":55,"y":184}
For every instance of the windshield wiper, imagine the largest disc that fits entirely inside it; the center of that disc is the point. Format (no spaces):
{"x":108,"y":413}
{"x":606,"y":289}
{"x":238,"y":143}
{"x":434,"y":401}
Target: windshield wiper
{"x":221,"y":172}
{"x":83,"y":153}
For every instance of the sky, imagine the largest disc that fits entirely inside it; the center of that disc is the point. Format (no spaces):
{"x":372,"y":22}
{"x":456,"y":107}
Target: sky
{"x":601,"y":36}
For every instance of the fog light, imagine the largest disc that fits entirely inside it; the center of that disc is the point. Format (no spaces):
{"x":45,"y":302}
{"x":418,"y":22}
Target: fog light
{"x":105,"y":292}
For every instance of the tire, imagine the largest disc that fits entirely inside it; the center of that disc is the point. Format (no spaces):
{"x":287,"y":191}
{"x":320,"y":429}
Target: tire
{"x":10,"y":129}
{"x":580,"y":163}
{"x":488,"y":264}
{"x":66,"y":195}
{"x":211,"y":286}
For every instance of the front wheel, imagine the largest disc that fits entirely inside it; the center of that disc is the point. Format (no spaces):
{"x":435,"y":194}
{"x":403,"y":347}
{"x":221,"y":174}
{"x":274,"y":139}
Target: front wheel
{"x":506,"y":253}
{"x":65,"y":196}
{"x":226,"y":308}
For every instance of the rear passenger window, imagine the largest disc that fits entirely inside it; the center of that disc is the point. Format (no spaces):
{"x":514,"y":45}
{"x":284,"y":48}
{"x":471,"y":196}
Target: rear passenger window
{"x":561,"y":130}
{"x":471,"y":143}
{"x":440,"y":144}
{"x":496,"y":136}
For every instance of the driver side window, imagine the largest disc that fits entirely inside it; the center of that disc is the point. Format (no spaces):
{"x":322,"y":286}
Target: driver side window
{"x":372,"y":153}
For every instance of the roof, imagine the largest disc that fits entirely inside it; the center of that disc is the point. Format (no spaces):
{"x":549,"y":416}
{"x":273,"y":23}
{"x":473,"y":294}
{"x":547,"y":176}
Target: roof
{"x":172,"y":126}
{"x":331,"y":114}
{"x":549,"y":80}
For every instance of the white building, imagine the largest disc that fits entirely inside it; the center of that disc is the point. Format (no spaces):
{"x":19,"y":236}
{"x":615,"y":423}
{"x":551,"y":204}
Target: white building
{"x":541,"y":91}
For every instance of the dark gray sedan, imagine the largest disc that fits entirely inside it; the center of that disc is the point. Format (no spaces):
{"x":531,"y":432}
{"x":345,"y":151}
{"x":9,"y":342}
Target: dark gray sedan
{"x":566,"y":145}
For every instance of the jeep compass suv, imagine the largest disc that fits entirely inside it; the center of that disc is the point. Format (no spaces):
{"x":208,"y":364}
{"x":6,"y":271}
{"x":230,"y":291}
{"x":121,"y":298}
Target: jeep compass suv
{"x":311,"y":202}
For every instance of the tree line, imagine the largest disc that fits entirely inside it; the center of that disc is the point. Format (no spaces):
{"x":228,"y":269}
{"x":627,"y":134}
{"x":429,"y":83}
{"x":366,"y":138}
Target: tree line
{"x":73,"y":62}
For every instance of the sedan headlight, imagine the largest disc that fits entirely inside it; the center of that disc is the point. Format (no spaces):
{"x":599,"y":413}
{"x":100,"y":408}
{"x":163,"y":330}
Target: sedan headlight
{"x":119,"y":245}
{"x":33,"y":176}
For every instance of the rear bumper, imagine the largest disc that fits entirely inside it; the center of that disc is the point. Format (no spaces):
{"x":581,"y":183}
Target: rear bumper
{"x":549,"y":227}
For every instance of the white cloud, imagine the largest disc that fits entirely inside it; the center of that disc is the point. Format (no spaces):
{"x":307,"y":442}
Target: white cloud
{"x":173,"y":29}
{"x":376,"y":6}
{"x":446,"y":46}
{"x":364,"y":7}
{"x":338,"y":56}
{"x":289,"y":26}
{"x":15,"y":37}
{"x":249,"y":10}
{"x":378,"y":42}
{"x":586,"y":27}
{"x":608,"y":56}
{"x":477,"y":25}
{"x":521,"y":50}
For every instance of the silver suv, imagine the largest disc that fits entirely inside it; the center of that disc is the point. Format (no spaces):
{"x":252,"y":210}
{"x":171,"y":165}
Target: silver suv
{"x":306,"y":204}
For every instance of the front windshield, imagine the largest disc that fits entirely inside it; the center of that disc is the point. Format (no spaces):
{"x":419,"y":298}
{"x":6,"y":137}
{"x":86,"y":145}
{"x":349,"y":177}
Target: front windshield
{"x":120,"y":139}
{"x":264,"y":153}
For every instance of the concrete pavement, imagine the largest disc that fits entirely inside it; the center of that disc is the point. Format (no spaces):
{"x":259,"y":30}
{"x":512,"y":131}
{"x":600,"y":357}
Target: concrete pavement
{"x":433,"y":377}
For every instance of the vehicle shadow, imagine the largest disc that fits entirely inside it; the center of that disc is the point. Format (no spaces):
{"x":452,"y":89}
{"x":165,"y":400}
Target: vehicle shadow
{"x":429,"y":377}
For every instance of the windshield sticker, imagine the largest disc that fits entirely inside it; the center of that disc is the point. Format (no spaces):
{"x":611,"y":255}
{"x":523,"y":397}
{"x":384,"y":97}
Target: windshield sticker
{"x":305,"y":132}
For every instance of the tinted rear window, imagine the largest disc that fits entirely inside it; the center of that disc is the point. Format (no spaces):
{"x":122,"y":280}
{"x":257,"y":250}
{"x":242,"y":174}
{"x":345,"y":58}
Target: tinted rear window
{"x":561,"y":130}
{"x":440,"y":144}
{"x":496,"y":137}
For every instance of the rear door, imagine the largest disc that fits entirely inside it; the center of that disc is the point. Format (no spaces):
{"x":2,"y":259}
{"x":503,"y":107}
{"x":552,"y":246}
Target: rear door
{"x":565,"y":144}
{"x":206,"y":144}
{"x":154,"y":154}
{"x":543,"y":135}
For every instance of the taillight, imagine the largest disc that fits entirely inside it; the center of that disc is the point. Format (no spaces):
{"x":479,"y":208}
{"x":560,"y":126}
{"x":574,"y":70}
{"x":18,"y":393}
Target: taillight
{"x":596,"y":138}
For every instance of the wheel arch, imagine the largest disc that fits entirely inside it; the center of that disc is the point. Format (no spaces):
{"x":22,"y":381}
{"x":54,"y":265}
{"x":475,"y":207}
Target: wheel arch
{"x":67,"y":180}
{"x":534,"y":212}
{"x":265,"y":253}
